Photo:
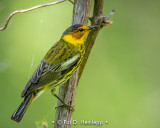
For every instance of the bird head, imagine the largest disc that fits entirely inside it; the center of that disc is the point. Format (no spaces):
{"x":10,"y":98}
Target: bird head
{"x":76,"y":34}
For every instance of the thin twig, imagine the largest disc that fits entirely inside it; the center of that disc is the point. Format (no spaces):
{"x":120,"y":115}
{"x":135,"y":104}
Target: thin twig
{"x":27,"y":10}
{"x":106,"y":18}
{"x":111,"y":13}
{"x":71,"y":1}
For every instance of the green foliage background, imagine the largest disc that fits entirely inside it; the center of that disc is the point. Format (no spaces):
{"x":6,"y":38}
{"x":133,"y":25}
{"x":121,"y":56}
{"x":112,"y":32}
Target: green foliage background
{"x":121,"y":81}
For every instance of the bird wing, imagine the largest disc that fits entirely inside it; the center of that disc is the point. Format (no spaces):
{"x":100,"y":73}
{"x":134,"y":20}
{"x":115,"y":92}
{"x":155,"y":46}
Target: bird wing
{"x":60,"y":57}
{"x":36,"y":75}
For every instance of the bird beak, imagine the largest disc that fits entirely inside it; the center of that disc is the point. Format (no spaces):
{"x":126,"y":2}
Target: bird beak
{"x":93,"y":27}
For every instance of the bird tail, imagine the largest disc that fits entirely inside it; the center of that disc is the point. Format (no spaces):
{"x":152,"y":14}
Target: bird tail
{"x":18,"y":114}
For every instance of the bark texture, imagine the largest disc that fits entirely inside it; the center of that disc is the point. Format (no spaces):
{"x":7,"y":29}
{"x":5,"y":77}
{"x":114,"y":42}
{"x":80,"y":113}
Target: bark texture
{"x":68,"y":90}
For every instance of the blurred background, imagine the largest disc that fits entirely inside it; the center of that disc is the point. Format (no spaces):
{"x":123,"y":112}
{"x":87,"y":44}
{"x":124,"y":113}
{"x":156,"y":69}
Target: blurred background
{"x":121,"y":80}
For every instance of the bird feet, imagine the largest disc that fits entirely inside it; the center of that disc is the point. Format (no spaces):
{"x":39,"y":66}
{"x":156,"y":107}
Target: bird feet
{"x":63,"y":104}
{"x":66,"y":106}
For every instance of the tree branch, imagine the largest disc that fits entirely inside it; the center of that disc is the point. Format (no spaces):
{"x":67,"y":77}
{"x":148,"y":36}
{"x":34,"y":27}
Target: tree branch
{"x":71,"y":1}
{"x":80,"y":16}
{"x":96,"y":20}
{"x":68,"y":90}
{"x":27,"y":10}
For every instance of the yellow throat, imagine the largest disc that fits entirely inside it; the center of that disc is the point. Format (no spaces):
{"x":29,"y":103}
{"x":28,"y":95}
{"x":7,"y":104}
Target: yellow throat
{"x":75,"y":39}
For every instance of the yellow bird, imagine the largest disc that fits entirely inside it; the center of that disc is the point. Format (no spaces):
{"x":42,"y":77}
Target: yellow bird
{"x":60,"y":62}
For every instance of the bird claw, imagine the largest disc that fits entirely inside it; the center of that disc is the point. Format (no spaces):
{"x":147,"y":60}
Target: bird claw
{"x":66,"y":106}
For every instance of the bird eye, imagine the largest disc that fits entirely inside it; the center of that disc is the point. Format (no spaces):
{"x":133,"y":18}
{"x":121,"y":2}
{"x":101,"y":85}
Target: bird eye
{"x":81,"y":29}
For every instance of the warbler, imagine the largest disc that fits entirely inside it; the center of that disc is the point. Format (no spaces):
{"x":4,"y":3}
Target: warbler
{"x":60,"y":62}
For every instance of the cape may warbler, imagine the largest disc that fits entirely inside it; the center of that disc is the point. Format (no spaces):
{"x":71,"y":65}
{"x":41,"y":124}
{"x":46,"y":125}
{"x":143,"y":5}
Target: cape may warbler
{"x":60,"y":62}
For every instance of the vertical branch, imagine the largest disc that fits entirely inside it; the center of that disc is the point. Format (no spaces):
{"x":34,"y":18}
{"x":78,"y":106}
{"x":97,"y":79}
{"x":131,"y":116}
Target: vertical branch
{"x":68,"y":90}
{"x":81,"y":11}
{"x":96,"y":19}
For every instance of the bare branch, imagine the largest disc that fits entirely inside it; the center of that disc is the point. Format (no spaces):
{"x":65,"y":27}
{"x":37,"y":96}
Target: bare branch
{"x":106,"y":19}
{"x":73,"y":4}
{"x":111,"y":13}
{"x":97,"y":19}
{"x":71,"y":1}
{"x":68,"y":90}
{"x":27,"y":10}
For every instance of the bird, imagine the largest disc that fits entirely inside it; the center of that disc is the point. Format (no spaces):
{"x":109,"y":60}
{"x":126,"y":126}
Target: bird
{"x":57,"y":66}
